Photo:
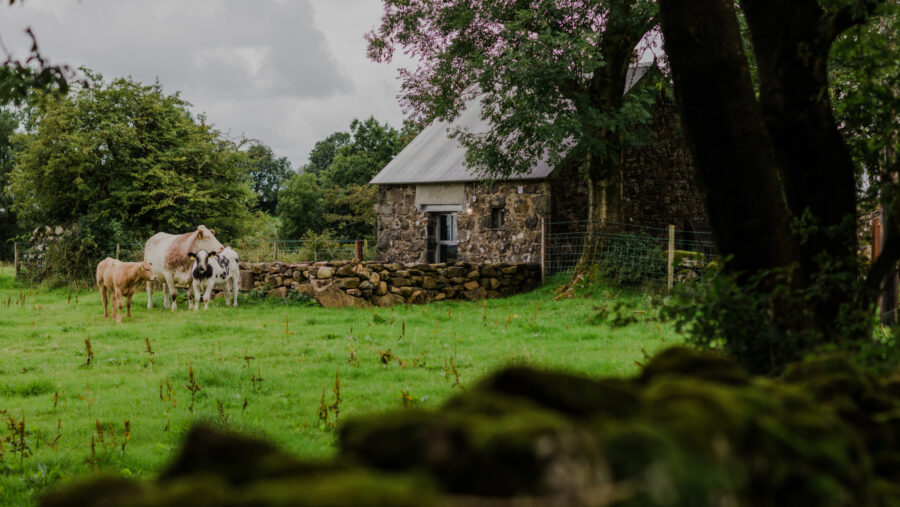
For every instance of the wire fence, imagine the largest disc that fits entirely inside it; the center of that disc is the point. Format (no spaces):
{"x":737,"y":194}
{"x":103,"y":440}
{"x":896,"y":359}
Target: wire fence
{"x":628,"y":254}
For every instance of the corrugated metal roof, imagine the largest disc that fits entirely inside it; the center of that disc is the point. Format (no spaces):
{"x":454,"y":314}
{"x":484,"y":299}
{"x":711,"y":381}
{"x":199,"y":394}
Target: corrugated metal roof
{"x":434,"y":157}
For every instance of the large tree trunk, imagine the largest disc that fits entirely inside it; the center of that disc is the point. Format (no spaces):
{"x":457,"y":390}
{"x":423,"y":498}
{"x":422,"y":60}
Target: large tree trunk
{"x":724,"y":128}
{"x":791,"y":41}
{"x":605,"y":215}
{"x":777,"y":177}
{"x":606,"y":212}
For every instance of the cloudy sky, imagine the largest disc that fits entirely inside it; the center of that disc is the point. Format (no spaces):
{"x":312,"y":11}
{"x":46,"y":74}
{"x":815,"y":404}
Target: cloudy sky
{"x":286,"y":72}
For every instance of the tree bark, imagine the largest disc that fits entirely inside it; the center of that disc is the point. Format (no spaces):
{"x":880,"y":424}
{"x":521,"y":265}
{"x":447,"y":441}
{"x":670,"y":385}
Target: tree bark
{"x":791,"y":41}
{"x":732,"y":151}
{"x":605,"y":92}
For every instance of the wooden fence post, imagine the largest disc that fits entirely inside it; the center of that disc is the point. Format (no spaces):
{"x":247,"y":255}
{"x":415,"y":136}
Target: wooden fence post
{"x":274,"y":250}
{"x":671,"y":262}
{"x":15,"y":259}
{"x":543,"y":247}
{"x":117,"y":251}
{"x":359,"y":250}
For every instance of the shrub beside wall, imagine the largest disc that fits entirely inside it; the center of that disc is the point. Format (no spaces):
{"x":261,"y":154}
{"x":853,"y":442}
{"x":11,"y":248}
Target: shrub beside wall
{"x":361,"y":284}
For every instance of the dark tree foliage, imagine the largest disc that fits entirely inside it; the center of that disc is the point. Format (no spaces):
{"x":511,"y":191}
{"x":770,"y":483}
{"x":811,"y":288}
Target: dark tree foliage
{"x":267,"y":174}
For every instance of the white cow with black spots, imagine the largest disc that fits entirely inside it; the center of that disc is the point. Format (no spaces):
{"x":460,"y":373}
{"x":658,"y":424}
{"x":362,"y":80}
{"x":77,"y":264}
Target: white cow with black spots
{"x":211,"y":268}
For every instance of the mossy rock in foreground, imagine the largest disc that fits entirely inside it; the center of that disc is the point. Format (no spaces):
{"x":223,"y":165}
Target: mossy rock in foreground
{"x":692,"y":429}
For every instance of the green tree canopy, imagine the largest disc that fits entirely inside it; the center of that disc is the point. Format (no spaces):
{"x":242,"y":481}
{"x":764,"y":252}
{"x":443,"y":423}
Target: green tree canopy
{"x":128,"y":156}
{"x":324,"y":151}
{"x":371,"y":147}
{"x":333,"y":191}
{"x":300,"y":206}
{"x":267,"y":174}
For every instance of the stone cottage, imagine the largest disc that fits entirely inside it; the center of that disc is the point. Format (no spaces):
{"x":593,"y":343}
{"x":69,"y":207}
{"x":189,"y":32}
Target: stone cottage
{"x":433,"y":209}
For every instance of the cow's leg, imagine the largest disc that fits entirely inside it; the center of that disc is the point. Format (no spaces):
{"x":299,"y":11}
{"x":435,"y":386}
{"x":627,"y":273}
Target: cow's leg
{"x":165,"y":290}
{"x":207,"y":295}
{"x":149,"y":294}
{"x":105,"y":295}
{"x":118,"y":303}
{"x":171,"y":290}
{"x":128,"y":304}
{"x":234,"y":282}
{"x":227,"y":290}
{"x":195,"y":304}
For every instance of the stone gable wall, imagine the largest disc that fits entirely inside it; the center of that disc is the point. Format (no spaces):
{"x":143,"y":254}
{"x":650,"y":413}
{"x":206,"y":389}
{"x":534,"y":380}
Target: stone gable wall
{"x":658,"y":188}
{"x":660,"y":185}
{"x":519,"y":240}
{"x":403,"y":230}
{"x":363,"y":284}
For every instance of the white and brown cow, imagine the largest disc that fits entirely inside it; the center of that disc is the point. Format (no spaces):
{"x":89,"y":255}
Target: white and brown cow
{"x":169,"y":255}
{"x":121,"y":279}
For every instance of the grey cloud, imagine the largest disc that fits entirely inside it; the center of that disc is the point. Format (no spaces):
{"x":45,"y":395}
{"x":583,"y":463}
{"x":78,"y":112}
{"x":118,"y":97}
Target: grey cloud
{"x":288,"y":72}
{"x":223,"y":48}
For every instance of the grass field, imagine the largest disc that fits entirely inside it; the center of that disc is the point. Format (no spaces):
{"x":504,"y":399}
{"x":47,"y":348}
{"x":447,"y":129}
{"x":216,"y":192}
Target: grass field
{"x":261,"y":368}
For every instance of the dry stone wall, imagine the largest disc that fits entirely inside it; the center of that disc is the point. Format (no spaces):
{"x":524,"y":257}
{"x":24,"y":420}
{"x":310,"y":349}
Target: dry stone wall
{"x":354,"y":284}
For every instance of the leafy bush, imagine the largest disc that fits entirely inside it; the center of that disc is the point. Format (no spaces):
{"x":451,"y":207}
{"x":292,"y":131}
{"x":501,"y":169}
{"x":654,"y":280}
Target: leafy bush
{"x":319,"y":246}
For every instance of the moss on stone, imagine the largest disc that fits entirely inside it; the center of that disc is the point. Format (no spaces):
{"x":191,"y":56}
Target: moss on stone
{"x":702,"y":365}
{"x":566,"y":393}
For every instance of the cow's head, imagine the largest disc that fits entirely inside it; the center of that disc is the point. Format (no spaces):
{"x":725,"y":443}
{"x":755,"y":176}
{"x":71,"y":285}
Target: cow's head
{"x":201,"y":268}
{"x":205,"y":239}
{"x":145,"y":271}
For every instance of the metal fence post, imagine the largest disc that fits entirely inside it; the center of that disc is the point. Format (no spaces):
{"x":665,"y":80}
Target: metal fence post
{"x":671,"y":261}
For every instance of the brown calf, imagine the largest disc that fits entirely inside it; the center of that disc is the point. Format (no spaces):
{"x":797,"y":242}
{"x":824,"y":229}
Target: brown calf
{"x":122,"y":280}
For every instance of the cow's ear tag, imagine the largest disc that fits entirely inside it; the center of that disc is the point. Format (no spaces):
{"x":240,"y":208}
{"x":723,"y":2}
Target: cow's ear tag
{"x":192,"y":255}
{"x":200,"y":235}
{"x":212,"y":254}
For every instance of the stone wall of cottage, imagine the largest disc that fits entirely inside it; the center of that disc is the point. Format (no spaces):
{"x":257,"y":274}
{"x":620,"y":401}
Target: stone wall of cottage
{"x":658,"y":189}
{"x":403,"y":230}
{"x":524,"y":203}
{"x":363,"y":284}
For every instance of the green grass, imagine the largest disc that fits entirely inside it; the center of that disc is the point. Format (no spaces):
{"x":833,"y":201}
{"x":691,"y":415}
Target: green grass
{"x":296,"y":350}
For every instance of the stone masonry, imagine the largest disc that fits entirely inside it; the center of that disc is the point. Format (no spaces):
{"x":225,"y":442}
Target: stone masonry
{"x":363,"y":284}
{"x":403,"y":229}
